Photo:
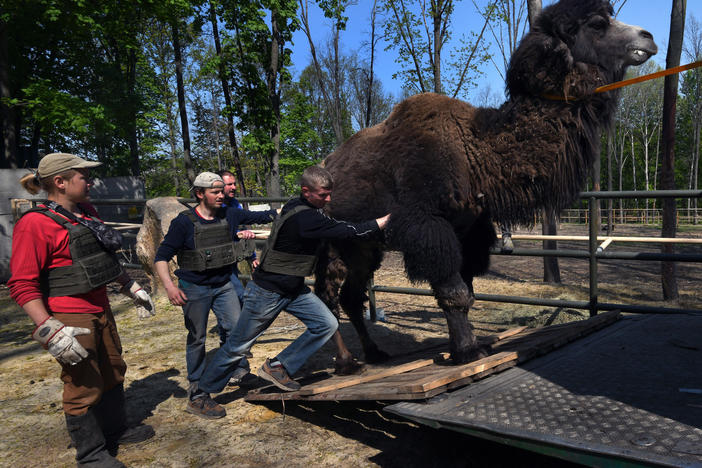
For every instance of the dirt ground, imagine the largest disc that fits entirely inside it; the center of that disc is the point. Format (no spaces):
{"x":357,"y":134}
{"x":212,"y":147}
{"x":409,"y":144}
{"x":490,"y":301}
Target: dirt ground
{"x":311,"y":433}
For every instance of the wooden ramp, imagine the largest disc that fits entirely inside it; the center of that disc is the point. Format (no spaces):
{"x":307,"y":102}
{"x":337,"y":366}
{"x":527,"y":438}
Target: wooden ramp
{"x":410,"y":378}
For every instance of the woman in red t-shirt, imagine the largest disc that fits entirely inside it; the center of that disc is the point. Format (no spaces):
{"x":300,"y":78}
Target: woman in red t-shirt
{"x":75,"y":324}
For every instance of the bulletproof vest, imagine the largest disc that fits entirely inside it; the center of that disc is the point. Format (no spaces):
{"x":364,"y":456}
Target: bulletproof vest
{"x":275,"y":261}
{"x":92,"y":265}
{"x":214,"y":247}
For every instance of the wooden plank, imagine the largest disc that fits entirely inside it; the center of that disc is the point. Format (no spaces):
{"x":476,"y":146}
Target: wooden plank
{"x":450,"y":374}
{"x":346,"y":394}
{"x":336,"y":383}
{"x":490,"y":339}
{"x":468,"y":380}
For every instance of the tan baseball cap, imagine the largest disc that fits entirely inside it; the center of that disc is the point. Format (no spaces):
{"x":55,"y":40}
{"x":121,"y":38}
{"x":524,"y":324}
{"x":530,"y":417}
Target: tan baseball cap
{"x":207,"y":180}
{"x":55,"y":163}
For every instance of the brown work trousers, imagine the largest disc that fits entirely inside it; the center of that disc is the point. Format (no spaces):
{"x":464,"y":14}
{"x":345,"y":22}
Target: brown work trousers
{"x":103,"y":369}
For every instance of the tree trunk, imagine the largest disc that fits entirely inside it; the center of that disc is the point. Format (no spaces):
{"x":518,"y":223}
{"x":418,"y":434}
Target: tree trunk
{"x":7,"y":122}
{"x":189,"y":171}
{"x":369,"y":94}
{"x":272,"y":81}
{"x":610,"y":156}
{"x":131,"y":102}
{"x":534,"y":8}
{"x":670,"y":92}
{"x":596,"y":187}
{"x":436,"y":14}
{"x":549,"y":227}
{"x":694,"y":170}
{"x":172,"y":144}
{"x":552,"y":272}
{"x":228,"y":101}
{"x":336,"y":86}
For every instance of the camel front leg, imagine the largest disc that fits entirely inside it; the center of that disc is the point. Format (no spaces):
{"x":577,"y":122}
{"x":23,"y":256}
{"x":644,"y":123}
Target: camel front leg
{"x":455,"y":298}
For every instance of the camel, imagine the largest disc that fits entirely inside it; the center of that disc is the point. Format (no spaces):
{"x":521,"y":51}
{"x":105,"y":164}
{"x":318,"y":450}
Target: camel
{"x":446,"y":170}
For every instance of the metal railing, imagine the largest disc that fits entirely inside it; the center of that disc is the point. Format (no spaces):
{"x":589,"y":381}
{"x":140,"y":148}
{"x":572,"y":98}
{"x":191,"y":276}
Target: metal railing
{"x":593,"y":304}
{"x":592,"y":254}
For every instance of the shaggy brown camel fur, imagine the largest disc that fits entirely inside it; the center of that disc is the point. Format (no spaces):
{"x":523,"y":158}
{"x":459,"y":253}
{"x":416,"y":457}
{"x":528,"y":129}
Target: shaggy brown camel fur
{"x":447,"y":170}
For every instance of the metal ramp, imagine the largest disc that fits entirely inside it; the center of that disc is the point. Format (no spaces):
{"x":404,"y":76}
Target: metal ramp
{"x":629,"y":395}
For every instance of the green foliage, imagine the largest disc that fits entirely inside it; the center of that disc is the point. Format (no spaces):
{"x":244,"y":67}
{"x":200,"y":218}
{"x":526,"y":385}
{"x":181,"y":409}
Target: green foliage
{"x":301,"y":143}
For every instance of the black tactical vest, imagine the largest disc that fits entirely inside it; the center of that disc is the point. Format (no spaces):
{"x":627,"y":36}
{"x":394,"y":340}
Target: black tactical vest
{"x":214,"y":247}
{"x":92,"y":265}
{"x":275,"y":261}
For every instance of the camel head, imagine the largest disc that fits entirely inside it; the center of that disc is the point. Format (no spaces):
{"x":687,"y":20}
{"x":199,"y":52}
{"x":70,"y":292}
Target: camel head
{"x":575,"y":47}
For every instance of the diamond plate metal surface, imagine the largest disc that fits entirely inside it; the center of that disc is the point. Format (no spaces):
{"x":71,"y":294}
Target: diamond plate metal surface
{"x":616,"y":392}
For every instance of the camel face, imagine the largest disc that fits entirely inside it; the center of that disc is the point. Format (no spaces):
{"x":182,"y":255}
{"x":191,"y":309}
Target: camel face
{"x":611,"y":44}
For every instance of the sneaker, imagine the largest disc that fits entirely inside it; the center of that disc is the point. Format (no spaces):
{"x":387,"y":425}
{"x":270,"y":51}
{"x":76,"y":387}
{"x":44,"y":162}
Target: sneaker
{"x":205,"y":407}
{"x":278,"y":376}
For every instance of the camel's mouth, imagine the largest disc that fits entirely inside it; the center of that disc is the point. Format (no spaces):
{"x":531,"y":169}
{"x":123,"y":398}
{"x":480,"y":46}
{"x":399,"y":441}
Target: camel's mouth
{"x":637,"y":56}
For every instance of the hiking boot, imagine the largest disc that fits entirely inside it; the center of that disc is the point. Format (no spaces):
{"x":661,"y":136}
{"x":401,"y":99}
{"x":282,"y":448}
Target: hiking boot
{"x":278,"y":376}
{"x":205,"y":407}
{"x":348,"y":367}
{"x":239,"y":374}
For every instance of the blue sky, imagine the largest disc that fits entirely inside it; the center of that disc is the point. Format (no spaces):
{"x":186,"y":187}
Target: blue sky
{"x":653,"y":15}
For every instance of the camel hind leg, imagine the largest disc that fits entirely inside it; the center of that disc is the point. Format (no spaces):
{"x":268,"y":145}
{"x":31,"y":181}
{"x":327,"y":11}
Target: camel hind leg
{"x":361,"y":260}
{"x":342,"y":276}
{"x":330,"y":274}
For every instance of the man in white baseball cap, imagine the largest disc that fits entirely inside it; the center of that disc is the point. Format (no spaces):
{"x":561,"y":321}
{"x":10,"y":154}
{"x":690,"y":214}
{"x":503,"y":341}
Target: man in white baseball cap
{"x":207,"y":247}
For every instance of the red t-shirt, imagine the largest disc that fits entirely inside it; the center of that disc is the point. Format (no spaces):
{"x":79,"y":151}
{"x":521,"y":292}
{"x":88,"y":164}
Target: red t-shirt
{"x":38,"y":244}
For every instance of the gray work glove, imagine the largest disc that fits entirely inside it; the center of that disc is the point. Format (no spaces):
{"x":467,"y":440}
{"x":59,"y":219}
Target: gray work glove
{"x":142,"y":300}
{"x":60,"y":341}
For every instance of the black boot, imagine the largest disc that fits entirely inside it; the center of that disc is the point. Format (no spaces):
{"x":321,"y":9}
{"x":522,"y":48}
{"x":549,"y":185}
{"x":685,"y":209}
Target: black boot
{"x":89,"y":442}
{"x":112,"y":417}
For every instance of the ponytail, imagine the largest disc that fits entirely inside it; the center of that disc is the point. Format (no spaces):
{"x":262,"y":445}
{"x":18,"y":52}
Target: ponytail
{"x":33,"y":184}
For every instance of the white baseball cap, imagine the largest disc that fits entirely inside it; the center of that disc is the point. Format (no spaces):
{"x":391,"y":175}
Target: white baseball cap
{"x":207,"y":180}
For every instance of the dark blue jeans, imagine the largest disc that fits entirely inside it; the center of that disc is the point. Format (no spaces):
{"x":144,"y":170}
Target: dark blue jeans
{"x":224,"y":304}
{"x":239,"y":288}
{"x":261,"y":307}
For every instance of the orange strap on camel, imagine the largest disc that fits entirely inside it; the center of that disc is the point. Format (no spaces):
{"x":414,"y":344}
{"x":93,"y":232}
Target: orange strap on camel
{"x":651,"y":76}
{"x":638,"y":79}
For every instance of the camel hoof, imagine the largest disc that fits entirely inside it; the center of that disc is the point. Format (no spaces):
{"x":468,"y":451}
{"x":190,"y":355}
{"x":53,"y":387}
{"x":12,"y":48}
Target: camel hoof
{"x":376,"y":356}
{"x":348,"y":367}
{"x":470,"y":354}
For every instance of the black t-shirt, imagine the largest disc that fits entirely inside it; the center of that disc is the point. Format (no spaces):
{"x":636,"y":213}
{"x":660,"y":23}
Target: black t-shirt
{"x":302,"y":234}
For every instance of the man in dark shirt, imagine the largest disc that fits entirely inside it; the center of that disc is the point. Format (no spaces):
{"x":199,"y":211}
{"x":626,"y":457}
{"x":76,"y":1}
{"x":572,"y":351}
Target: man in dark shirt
{"x":230,"y":201}
{"x":205,"y":267}
{"x":279,"y":283}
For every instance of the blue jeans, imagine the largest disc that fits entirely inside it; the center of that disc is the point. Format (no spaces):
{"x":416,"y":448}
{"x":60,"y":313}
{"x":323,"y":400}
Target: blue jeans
{"x":223,"y":302}
{"x":261,"y":307}
{"x":236,"y":282}
{"x":239,"y":289}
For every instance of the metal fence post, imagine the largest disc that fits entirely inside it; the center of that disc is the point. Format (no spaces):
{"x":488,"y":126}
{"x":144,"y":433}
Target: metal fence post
{"x":371,"y":301}
{"x":592,"y":203}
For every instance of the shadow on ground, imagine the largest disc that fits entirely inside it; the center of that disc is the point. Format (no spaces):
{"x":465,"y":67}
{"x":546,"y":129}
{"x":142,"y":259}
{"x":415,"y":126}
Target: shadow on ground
{"x":402,"y":443}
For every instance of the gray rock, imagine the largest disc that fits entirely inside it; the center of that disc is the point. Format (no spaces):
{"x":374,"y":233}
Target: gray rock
{"x":158,"y":214}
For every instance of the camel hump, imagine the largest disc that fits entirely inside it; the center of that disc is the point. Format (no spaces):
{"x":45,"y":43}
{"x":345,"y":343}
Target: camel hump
{"x":424,"y":107}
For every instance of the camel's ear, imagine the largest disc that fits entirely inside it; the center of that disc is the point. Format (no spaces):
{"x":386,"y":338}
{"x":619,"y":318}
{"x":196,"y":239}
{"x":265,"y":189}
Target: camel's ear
{"x":539,"y":65}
